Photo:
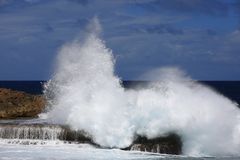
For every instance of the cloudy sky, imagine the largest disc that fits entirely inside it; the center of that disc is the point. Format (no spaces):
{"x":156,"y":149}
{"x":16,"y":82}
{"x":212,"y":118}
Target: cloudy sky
{"x":201,"y":37}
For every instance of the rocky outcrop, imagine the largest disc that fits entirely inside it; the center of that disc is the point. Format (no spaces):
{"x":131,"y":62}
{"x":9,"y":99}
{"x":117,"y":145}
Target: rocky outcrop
{"x":19,"y":104}
{"x":170,"y":144}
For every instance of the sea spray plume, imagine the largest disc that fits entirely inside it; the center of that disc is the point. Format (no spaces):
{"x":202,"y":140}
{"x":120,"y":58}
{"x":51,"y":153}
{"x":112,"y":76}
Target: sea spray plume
{"x":94,"y":27}
{"x":207,"y":121}
{"x":170,"y":73}
{"x":88,"y":96}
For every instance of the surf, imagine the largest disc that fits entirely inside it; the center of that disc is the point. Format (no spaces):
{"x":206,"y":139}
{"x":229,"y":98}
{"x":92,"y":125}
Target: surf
{"x":86,"y":94}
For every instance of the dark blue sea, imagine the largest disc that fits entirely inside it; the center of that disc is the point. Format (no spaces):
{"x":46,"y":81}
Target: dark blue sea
{"x":230,"y":89}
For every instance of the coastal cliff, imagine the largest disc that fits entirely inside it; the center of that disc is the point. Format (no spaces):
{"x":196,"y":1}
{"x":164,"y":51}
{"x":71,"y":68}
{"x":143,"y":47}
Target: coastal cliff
{"x":15,"y":104}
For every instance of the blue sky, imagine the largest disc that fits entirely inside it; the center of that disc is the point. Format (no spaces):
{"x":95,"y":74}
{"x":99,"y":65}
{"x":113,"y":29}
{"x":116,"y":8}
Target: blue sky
{"x":201,"y":37}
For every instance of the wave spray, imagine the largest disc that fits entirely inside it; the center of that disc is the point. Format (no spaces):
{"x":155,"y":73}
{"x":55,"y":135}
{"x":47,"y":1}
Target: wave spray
{"x":86,"y":95}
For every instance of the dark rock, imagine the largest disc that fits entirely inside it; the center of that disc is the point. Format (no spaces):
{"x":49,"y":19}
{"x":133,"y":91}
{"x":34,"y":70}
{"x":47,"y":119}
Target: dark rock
{"x":170,"y":144}
{"x":76,"y":136}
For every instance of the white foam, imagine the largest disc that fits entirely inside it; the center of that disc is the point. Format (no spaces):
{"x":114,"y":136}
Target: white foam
{"x":86,"y":94}
{"x":71,"y":152}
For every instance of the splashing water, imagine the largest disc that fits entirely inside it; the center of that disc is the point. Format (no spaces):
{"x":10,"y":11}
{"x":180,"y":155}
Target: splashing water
{"x":87,"y":95}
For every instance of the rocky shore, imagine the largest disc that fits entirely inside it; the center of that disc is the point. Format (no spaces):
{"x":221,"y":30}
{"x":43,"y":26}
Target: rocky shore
{"x":17,"y":104}
{"x":169,"y":144}
{"x":14,"y":104}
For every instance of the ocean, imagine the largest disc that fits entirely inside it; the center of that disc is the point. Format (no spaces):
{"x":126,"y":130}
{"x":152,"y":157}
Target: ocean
{"x":230,"y":89}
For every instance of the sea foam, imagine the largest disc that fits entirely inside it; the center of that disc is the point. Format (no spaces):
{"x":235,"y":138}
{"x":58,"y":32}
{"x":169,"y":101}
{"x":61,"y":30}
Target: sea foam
{"x":85,"y":94}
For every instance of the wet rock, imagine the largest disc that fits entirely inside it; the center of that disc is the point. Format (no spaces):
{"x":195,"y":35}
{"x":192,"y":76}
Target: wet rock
{"x":43,"y":132}
{"x":15,"y":104}
{"x":170,"y":144}
{"x":76,"y":136}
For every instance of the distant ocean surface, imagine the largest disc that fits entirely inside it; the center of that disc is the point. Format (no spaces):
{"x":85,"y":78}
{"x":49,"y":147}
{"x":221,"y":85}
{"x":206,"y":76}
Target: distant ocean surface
{"x":230,"y":89}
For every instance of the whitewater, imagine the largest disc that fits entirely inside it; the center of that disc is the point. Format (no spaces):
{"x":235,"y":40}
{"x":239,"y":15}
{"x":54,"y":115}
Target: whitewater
{"x":86,"y":94}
